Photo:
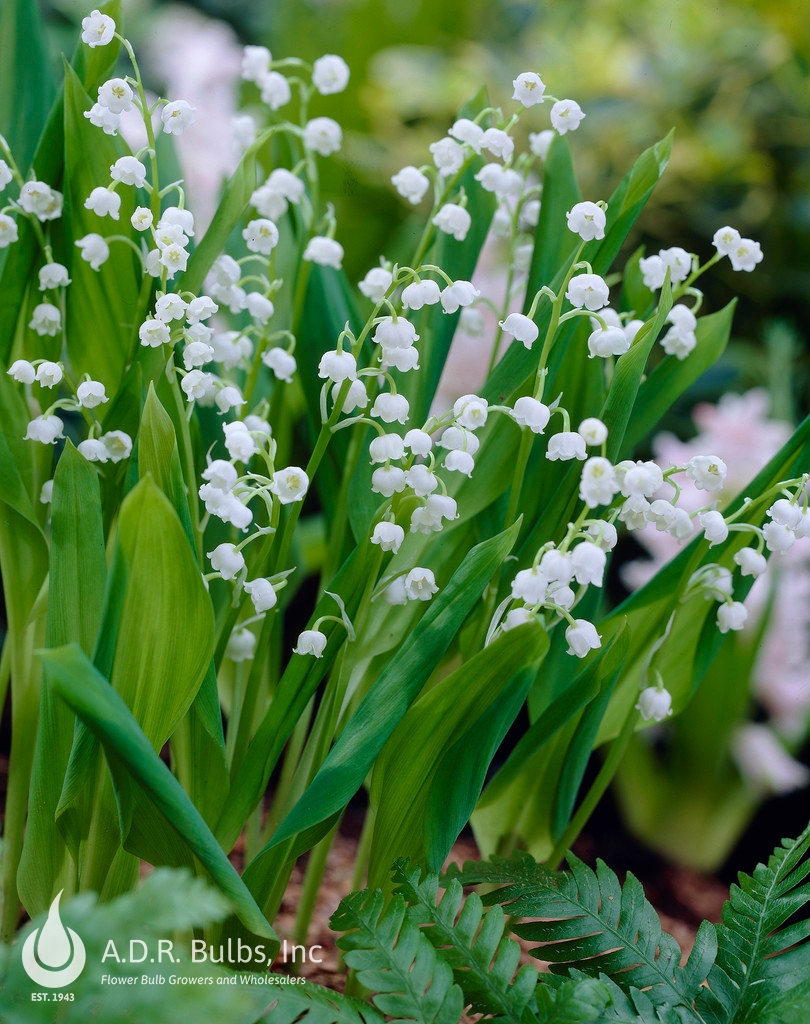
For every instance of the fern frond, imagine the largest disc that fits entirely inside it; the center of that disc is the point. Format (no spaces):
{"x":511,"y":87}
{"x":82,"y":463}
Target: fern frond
{"x":591,"y":921}
{"x":519,"y":869}
{"x":311,"y":1004}
{"x":484,"y":961}
{"x":579,"y":998}
{"x":760,"y":958}
{"x":394,"y":959}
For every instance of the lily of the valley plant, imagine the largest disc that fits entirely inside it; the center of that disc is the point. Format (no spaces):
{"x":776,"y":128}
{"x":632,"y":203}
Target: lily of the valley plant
{"x":238,"y":521}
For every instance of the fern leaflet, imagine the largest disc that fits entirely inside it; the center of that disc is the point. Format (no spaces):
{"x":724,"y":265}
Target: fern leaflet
{"x":394,"y":959}
{"x":592,"y":922}
{"x":473,"y":943}
{"x":760,"y":959}
{"x":312,"y":1004}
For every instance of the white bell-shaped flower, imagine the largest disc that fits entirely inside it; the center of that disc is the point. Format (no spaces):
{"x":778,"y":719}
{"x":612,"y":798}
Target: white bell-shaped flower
{"x":587,"y":220}
{"x":262,"y":594}
{"x":388,"y":536}
{"x":582,"y":638}
{"x":420,"y":585}
{"x":311,"y":641}
{"x":731,"y":616}
{"x":289,"y":484}
{"x":227,"y":560}
{"x":521,"y":327}
{"x":654,"y":704}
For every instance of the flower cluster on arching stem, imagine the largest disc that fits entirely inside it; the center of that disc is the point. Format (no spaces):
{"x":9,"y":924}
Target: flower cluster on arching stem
{"x":417,"y":464}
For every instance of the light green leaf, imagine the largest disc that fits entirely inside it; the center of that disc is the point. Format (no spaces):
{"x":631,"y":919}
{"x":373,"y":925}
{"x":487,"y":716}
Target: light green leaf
{"x":103,"y":306}
{"x":386,"y":703}
{"x":18,"y":261}
{"x":294,"y":691}
{"x":407,"y":765}
{"x":26,"y":80}
{"x":232,"y":206}
{"x":672,"y":377}
{"x":91,"y":697}
{"x":78,"y":571}
{"x":553,"y":244}
{"x":165,"y":637}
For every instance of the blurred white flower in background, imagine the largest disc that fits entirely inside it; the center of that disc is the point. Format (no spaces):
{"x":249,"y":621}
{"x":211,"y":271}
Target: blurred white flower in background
{"x":739,"y":431}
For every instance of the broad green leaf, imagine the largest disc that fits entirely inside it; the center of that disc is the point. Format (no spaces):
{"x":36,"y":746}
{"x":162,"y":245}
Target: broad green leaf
{"x":230,"y":210}
{"x":91,"y":697}
{"x":158,"y":457}
{"x":406,"y":766}
{"x":21,"y":462}
{"x":78,"y":571}
{"x":620,"y":405}
{"x":436,"y":328}
{"x":386,"y":703}
{"x":154,"y":643}
{"x":627,"y":202}
{"x":18,"y":261}
{"x":522,"y":799}
{"x":103,"y":306}
{"x":198,"y":743}
{"x":26,"y":79}
{"x":624,"y":207}
{"x":672,"y":377}
{"x":553,"y":243}
{"x":461,"y":772}
{"x":330,"y":305}
{"x":580,"y":749}
{"x":165,"y":636}
{"x":293,"y":693}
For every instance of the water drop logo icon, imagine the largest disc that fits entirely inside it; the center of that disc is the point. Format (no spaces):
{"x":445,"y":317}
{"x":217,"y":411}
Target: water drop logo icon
{"x":53,"y":956}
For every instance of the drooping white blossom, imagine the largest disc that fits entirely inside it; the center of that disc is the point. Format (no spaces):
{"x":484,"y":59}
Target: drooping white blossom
{"x":311,"y":641}
{"x":227,"y":560}
{"x":177,"y":116}
{"x":103,"y":203}
{"x":53,"y":275}
{"x":420,"y":584}
{"x":388,"y":536}
{"x":531,"y":413}
{"x":324,"y":135}
{"x":261,"y":236}
{"x":91,"y":393}
{"x":654,"y":704}
{"x":330,"y":74}
{"x":324,"y":251}
{"x":411,"y":184}
{"x":566,"y":445}
{"x":586,"y":220}
{"x":582,"y":638}
{"x":97,"y":29}
{"x":453,"y":220}
{"x":116,"y":95}
{"x":598,"y":484}
{"x":289,"y":484}
{"x":528,"y":89}
{"x":521,"y":327}
{"x":566,"y":116}
{"x":588,"y":291}
{"x":46,"y":429}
